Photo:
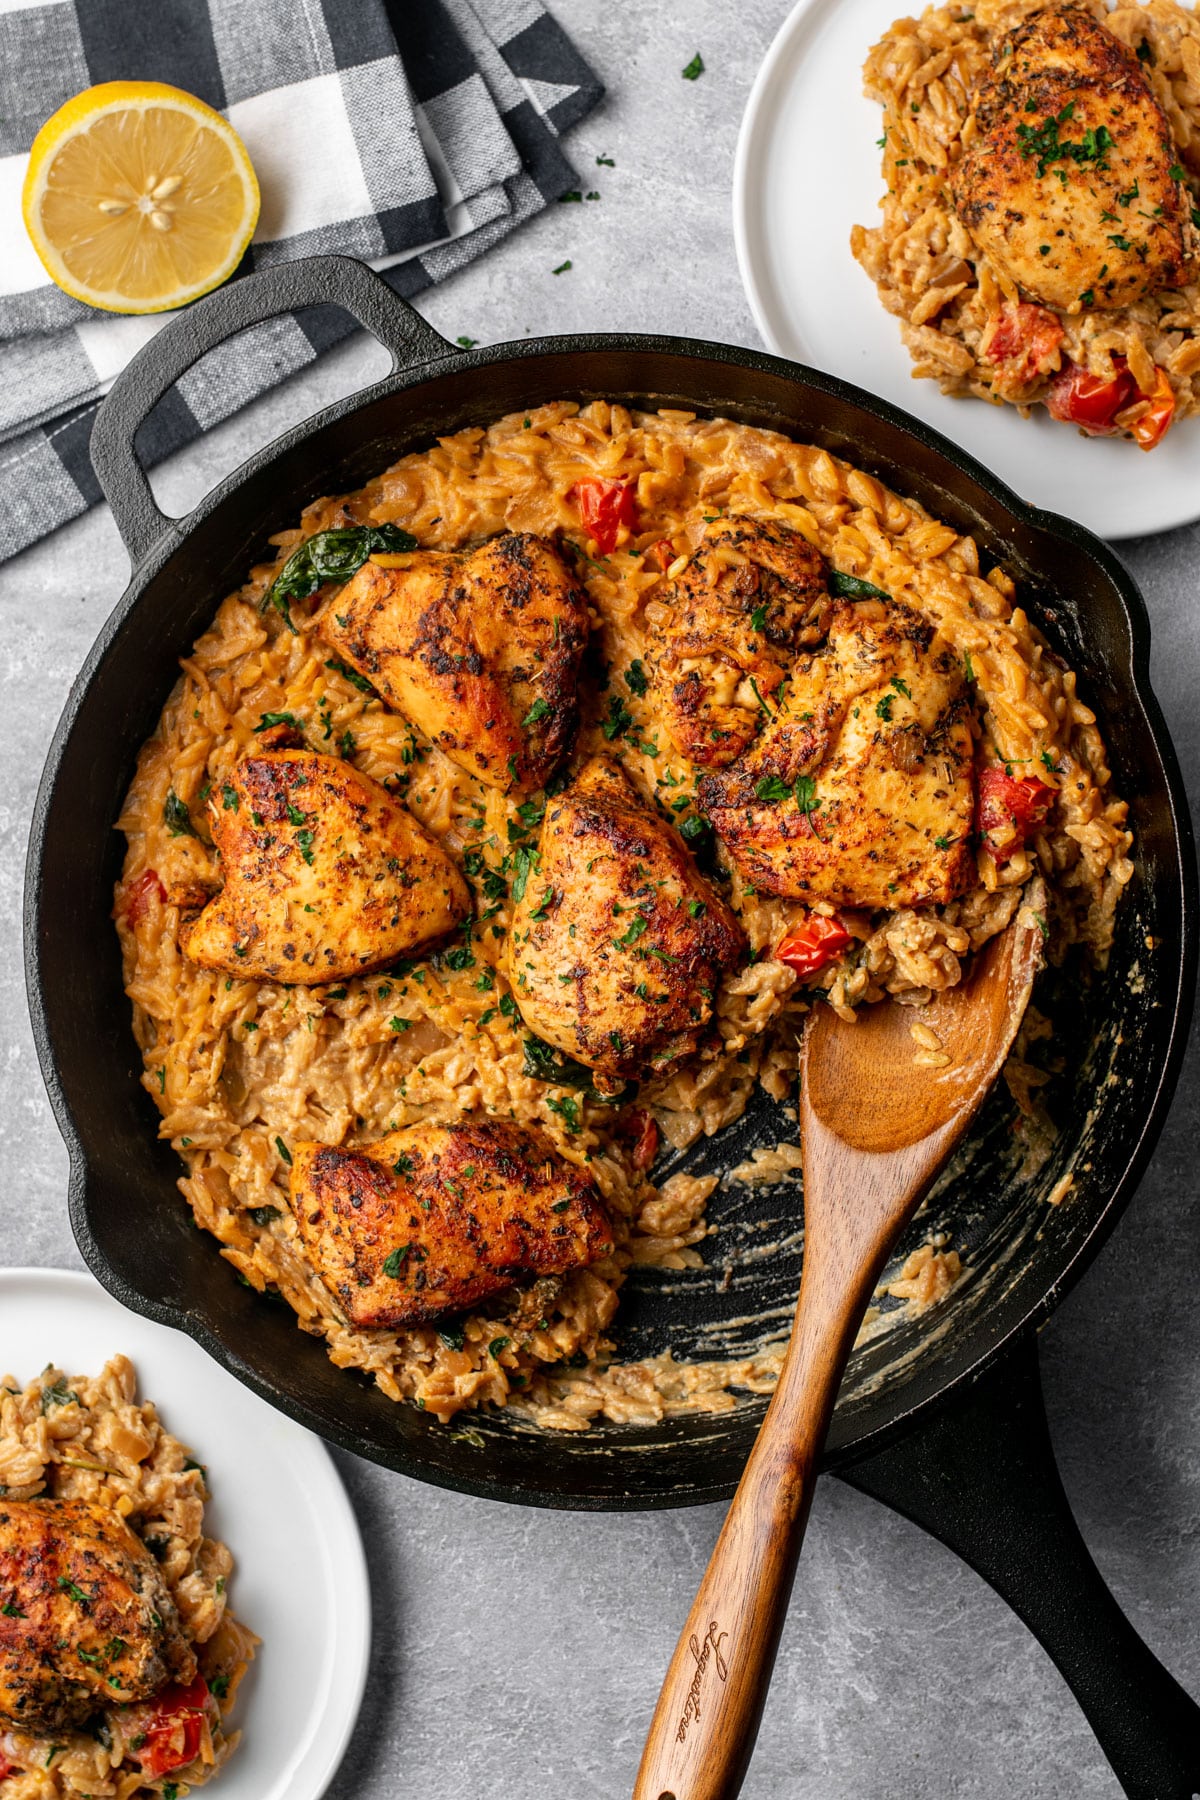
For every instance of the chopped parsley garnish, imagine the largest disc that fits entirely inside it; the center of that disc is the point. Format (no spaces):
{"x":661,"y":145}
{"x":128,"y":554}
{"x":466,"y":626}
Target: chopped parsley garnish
{"x":968,"y":667}
{"x":278,"y":718}
{"x":262,"y":1215}
{"x":758,"y":619}
{"x":562,"y":267}
{"x":637,"y":928}
{"x":524,"y":859}
{"x":403,"y":1165}
{"x":468,"y":343}
{"x":567,"y":1110}
{"x":1044,"y":142}
{"x":694,"y":827}
{"x":400,"y":1024}
{"x":697,"y":908}
{"x":884,"y":709}
{"x":305,"y":841}
{"x":619,"y":718}
{"x":73,"y":1593}
{"x":636,"y":679}
{"x":229,"y":799}
{"x":773,"y":788}
{"x":283,"y":1150}
{"x":497,"y":1345}
{"x":540,"y":709}
{"x":453,"y":1336}
{"x":392,"y":1263}
{"x":694,"y":69}
{"x":218,"y":1685}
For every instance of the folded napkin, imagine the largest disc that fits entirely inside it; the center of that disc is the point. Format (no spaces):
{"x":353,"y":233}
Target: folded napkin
{"x":412,"y":133}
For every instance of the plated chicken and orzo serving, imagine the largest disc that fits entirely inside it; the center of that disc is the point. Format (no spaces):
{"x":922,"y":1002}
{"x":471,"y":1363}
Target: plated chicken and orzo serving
{"x":119,"y":1657}
{"x":1040,"y":239}
{"x":498,"y":833}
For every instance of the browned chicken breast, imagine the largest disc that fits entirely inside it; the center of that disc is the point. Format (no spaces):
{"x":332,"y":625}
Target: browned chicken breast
{"x":730,"y":625}
{"x":481,"y":651}
{"x":326,"y":875}
{"x":435,"y":1218}
{"x":861,"y":789}
{"x":1072,"y":183}
{"x":85,"y":1616}
{"x":618,"y":943}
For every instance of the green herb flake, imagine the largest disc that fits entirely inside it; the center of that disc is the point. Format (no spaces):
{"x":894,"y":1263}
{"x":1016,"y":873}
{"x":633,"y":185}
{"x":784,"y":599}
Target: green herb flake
{"x":229,"y":799}
{"x":541,"y":709}
{"x":562,"y":267}
{"x":393,"y":1263}
{"x":283,"y":1150}
{"x":853,"y":587}
{"x":333,"y":555}
{"x":176,"y":817}
{"x":468,"y":343}
{"x":262,"y":1215}
{"x":498,"y":1344}
{"x":636,"y":679}
{"x":694,"y":69}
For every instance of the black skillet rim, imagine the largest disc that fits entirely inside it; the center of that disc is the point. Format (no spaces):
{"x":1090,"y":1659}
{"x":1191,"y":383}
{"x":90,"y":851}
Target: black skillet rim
{"x":176,"y":531}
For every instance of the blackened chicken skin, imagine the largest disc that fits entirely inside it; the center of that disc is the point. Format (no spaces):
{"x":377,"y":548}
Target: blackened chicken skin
{"x":730,"y":625}
{"x":435,"y":1218}
{"x":618,"y":945}
{"x":326,"y":875}
{"x":1072,"y":185}
{"x":85,"y":1616}
{"x":480,"y":651}
{"x":861,"y":790}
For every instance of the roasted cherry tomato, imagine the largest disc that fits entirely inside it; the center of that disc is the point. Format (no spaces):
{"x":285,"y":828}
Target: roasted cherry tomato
{"x":666,"y":553}
{"x":1153,"y":425}
{"x":646,"y":1147}
{"x":137,"y":903}
{"x":1090,"y":401}
{"x":808,"y":947}
{"x":604,"y":506}
{"x":1010,"y":809}
{"x":1024,"y":340}
{"x":167,"y":1730}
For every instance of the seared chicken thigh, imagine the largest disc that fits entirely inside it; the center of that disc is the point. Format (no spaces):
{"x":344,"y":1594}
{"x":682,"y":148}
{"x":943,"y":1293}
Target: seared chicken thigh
{"x":618,"y":943}
{"x":435,"y":1218}
{"x":326,"y":875}
{"x":1072,"y":185}
{"x":730,"y":624}
{"x":861,"y":789}
{"x":481,"y":651}
{"x":85,"y":1616}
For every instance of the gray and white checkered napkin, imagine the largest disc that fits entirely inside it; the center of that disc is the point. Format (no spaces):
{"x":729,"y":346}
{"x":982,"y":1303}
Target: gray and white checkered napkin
{"x":412,"y":133}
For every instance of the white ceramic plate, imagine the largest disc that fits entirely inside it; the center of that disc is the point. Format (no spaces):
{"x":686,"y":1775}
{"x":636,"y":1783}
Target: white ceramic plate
{"x":300,"y":1579}
{"x":807,"y":169}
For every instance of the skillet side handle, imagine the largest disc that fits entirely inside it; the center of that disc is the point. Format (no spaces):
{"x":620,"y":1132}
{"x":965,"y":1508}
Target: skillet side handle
{"x":979,"y":1475}
{"x":313,"y":281}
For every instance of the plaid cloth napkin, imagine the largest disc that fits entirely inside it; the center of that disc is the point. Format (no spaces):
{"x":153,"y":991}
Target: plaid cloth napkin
{"x":412,"y":133}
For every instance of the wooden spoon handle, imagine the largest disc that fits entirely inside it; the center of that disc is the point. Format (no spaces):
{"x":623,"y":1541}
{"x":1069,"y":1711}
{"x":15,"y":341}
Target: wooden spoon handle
{"x":702,"y":1735}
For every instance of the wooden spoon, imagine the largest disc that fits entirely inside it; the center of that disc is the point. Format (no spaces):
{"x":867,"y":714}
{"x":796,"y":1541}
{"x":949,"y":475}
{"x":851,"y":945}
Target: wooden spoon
{"x":875,"y":1129}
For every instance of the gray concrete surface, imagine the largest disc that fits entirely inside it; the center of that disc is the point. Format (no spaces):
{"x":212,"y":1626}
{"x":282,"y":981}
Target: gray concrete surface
{"x":518,"y":1653}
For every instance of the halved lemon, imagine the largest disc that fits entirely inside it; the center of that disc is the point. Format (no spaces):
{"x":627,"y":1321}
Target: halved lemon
{"x":139,"y":197}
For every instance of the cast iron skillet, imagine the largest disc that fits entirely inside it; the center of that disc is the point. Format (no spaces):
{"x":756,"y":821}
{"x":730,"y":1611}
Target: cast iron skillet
{"x":981,"y":1474}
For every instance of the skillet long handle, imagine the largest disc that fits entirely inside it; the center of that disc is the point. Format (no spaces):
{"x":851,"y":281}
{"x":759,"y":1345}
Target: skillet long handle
{"x":980,"y":1475}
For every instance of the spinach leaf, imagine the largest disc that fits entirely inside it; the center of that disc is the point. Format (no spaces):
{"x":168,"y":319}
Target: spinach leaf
{"x":333,"y":555}
{"x":851,"y":587}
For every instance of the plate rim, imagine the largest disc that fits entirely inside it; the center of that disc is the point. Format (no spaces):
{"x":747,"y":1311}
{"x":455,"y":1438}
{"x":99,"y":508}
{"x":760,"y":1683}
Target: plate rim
{"x":349,"y":1584}
{"x":747,"y":151}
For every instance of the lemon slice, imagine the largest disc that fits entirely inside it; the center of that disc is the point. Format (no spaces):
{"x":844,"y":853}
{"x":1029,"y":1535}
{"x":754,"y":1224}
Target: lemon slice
{"x":139,"y":197}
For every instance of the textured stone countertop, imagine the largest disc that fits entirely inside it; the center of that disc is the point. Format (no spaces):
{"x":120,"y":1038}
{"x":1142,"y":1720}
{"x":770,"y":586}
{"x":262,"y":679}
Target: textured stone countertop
{"x":518,"y":1653}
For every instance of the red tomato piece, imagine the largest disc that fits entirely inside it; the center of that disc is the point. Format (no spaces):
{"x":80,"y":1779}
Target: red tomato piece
{"x":1154,"y":425}
{"x":1010,"y":809}
{"x":1024,"y":340}
{"x":171,"y":1726}
{"x":812,"y":944}
{"x":604,"y":506}
{"x":6,"y":1768}
{"x":665,"y":552}
{"x":1089,"y":401}
{"x":137,"y":903}
{"x":646,"y":1148}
